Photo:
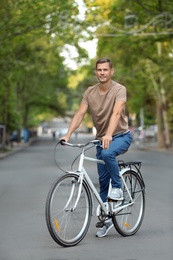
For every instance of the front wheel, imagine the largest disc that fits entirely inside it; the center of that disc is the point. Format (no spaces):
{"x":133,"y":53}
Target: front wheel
{"x":68,"y":225}
{"x":128,"y":221}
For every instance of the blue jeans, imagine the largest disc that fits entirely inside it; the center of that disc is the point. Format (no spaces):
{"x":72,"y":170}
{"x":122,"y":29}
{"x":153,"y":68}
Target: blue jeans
{"x":120,"y":143}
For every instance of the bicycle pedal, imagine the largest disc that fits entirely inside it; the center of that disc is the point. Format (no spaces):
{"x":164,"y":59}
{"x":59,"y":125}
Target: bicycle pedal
{"x":99,"y":224}
{"x":112,"y":200}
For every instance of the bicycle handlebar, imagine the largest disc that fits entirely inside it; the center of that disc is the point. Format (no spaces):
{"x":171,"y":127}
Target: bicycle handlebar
{"x":62,"y":142}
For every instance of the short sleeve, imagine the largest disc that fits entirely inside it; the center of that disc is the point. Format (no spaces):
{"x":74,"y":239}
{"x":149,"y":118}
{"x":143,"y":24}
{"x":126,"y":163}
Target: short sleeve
{"x":85,"y":98}
{"x":121,"y":94}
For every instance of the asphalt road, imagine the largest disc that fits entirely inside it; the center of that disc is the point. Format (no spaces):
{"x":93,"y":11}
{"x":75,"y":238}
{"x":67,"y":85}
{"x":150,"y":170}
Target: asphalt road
{"x":25,"y":178}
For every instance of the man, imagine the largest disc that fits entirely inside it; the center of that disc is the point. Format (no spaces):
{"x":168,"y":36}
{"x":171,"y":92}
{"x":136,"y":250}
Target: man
{"x":106,"y":101}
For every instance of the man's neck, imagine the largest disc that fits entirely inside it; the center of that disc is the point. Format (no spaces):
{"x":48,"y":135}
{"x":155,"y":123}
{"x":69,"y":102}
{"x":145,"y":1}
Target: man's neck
{"x":104,"y":87}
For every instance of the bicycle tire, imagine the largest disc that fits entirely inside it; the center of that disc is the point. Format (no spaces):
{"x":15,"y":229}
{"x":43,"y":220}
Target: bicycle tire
{"x":67,"y":226}
{"x":128,"y":220}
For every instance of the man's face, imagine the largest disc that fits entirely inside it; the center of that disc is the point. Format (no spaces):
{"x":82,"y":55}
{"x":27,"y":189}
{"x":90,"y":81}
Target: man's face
{"x":104,"y":72}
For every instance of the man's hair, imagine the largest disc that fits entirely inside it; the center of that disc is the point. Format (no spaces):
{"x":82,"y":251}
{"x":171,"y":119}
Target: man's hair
{"x":104,"y":60}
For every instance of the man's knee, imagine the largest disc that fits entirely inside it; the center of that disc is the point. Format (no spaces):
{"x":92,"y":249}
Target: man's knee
{"x":106,"y":154}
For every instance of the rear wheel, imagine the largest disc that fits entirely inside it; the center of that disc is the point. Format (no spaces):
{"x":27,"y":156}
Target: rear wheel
{"x":128,"y":221}
{"x":68,"y":226}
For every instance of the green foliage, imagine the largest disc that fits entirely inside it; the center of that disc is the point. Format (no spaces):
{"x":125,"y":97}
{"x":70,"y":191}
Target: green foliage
{"x":33,"y":78}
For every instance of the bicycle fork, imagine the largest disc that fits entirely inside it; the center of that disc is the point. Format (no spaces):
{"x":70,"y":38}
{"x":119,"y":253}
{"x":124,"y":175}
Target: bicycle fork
{"x":75,"y":182}
{"x":79,"y":181}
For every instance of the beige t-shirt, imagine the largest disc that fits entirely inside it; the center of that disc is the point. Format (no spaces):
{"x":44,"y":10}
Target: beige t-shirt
{"x":101,"y":107}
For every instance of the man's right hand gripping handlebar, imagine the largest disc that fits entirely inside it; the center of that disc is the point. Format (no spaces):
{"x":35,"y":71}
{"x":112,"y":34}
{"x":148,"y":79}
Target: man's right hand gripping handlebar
{"x":64,"y":139}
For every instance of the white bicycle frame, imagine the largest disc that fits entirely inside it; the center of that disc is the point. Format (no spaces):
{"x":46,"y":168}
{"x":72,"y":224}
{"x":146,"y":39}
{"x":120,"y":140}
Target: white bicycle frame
{"x":84,"y":175}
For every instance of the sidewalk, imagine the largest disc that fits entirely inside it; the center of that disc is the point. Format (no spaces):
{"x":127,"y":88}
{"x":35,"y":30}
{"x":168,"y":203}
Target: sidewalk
{"x":152,"y":146}
{"x":15,"y":148}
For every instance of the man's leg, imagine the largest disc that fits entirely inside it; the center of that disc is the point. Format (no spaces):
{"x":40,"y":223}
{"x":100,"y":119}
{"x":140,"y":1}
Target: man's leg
{"x":119,"y":145}
{"x":110,"y":171}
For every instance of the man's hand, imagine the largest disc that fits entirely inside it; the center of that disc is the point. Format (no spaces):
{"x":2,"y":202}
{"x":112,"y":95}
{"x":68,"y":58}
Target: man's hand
{"x":65,"y":138}
{"x":106,"y":140}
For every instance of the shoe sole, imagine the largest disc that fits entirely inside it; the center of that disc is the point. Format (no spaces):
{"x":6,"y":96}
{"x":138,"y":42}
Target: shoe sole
{"x":105,"y":232}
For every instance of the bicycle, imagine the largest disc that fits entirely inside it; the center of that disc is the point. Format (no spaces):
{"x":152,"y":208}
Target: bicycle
{"x":69,"y":203}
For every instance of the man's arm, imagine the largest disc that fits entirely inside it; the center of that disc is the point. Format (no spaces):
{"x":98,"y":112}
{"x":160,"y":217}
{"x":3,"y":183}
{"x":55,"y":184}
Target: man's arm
{"x":113,"y":123}
{"x":76,"y":121}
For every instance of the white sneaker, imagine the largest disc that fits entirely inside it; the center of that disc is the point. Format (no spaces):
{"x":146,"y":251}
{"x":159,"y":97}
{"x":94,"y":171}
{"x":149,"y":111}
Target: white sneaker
{"x":104,"y":230}
{"x":116,"y":194}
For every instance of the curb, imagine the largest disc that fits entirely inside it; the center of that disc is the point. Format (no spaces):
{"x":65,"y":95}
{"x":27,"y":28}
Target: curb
{"x":15,"y":149}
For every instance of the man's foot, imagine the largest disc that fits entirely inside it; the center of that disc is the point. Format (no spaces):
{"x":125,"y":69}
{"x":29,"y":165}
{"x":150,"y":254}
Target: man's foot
{"x":104,"y":230}
{"x":116,"y":194}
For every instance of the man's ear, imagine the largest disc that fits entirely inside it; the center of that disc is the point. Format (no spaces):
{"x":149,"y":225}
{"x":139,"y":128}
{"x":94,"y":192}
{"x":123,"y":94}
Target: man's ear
{"x":112,"y":71}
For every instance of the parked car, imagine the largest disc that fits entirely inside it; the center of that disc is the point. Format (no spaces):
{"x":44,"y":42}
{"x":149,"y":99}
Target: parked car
{"x":14,"y":137}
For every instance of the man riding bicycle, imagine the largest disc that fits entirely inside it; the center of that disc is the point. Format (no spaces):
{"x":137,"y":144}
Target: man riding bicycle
{"x":106,"y":101}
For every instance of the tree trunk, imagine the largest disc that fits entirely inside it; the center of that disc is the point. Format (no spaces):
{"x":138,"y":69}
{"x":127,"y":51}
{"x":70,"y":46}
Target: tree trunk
{"x":160,"y":137}
{"x":166,"y":130}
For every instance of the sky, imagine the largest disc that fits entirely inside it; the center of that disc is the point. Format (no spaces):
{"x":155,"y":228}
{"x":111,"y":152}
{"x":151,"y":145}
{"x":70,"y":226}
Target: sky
{"x":90,"y":46}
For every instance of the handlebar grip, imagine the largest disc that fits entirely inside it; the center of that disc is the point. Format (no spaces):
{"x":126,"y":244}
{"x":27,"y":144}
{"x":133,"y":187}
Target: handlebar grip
{"x":62,"y":142}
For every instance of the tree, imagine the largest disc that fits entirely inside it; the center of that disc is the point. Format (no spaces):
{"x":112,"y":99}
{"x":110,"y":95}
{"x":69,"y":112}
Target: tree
{"x":34,"y":78}
{"x":143,"y":63}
